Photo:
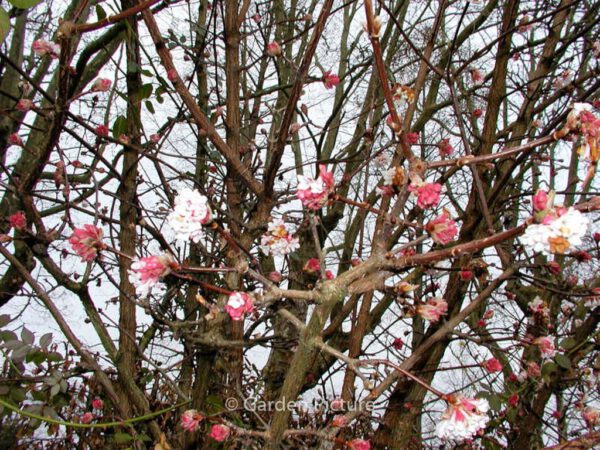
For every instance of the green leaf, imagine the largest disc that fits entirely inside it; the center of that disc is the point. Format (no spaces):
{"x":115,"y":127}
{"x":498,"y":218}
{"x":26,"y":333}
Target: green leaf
{"x":46,"y":340}
{"x":122,"y":438}
{"x":4,"y":24}
{"x":149,"y":106}
{"x":24,"y":4}
{"x":100,"y":12}
{"x":145,"y":91}
{"x":119,"y":127}
{"x":27,"y":336}
{"x":4,"y":320}
{"x":563,"y":361}
{"x":495,"y":402}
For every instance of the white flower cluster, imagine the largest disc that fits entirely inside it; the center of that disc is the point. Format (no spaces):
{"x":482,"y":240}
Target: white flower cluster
{"x":571,"y":226}
{"x":277,"y":241}
{"x":463,"y":419}
{"x":190,"y":213}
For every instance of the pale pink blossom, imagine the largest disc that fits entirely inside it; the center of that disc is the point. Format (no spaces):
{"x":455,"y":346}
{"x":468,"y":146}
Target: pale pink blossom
{"x":24,"y":105}
{"x":540,"y":200}
{"x":274,"y":49}
{"x":428,"y":194}
{"x":219,"y":432}
{"x":101,"y":85}
{"x":492,"y":365}
{"x":239,"y":304}
{"x":313,"y":193}
{"x":278,"y":241}
{"x":359,"y":444}
{"x":17,"y":220}
{"x":86,"y":242}
{"x":591,"y":416}
{"x":42,"y":48}
{"x":433,"y":310}
{"x":330,"y":80}
{"x":546,"y":346}
{"x":87,"y":417}
{"x":155,"y":138}
{"x":145,"y":272}
{"x":464,"y":418}
{"x":190,"y":420}
{"x":190,"y":212}
{"x":442,"y":229}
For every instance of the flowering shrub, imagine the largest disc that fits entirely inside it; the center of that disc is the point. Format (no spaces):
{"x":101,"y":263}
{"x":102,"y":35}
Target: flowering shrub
{"x":254,"y":224}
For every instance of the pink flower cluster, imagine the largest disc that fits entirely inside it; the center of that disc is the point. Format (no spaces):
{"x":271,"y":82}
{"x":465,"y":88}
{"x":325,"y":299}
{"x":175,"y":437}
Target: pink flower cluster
{"x":219,"y":432}
{"x":464,"y":418}
{"x":190,"y":420}
{"x":101,"y":85}
{"x":433,"y":310}
{"x":313,"y":266}
{"x":330,"y":80}
{"x":313,"y":193}
{"x":86,"y":242}
{"x":43,"y":48}
{"x":442,"y":229}
{"x":17,"y":220}
{"x":145,"y":272}
{"x":546,"y":346}
{"x":428,"y":194}
{"x":239,"y":304}
{"x":445,"y":147}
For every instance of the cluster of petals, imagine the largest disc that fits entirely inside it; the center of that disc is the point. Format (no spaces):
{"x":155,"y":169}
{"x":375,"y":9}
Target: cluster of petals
{"x":359,"y":444}
{"x":86,"y":242}
{"x":546,"y":346}
{"x":43,"y":48}
{"x":147,"y":271}
{"x":17,"y":220}
{"x":582,"y":120}
{"x":492,"y":365}
{"x":403,"y":94}
{"x":445,"y":147}
{"x":190,"y":420}
{"x":442,"y":229}
{"x":278,"y":241}
{"x":559,"y":231}
{"x":330,"y":80}
{"x":239,"y":304}
{"x":464,"y":418}
{"x":433,"y":310}
{"x":313,"y":266}
{"x":190,"y":213}
{"x":101,"y":85}
{"x":274,"y":49}
{"x":428,"y":194}
{"x":313,"y":193}
{"x":591,"y":416}
{"x":219,"y":432}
